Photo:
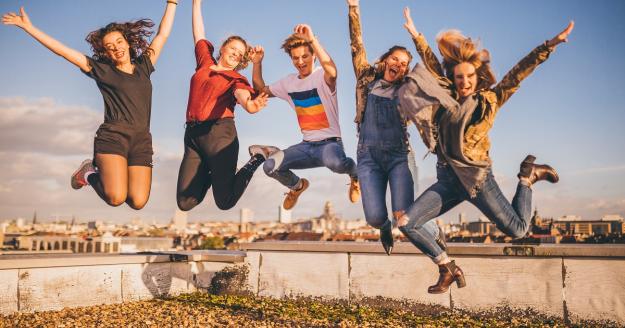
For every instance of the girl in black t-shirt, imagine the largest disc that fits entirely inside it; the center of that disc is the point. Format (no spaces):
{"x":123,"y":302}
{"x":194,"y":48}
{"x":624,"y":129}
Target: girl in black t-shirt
{"x":121,"y":170}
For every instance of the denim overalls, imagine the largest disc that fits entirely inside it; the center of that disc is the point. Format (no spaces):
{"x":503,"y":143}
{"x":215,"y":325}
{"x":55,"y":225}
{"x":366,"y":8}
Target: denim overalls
{"x":382,"y":160}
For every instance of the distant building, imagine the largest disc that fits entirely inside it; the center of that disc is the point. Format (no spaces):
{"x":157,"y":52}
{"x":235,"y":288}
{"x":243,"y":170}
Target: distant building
{"x":284,"y":215}
{"x":246,"y":216}
{"x":73,"y":244}
{"x":179,"y":221}
{"x":590,"y":227}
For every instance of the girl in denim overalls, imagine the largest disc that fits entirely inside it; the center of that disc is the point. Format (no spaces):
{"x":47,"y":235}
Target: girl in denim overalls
{"x":383,"y":147}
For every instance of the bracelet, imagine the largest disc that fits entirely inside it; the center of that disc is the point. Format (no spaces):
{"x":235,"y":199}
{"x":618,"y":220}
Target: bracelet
{"x":172,"y":1}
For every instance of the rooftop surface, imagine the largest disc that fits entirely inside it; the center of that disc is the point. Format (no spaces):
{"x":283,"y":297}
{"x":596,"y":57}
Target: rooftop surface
{"x":202,"y":309}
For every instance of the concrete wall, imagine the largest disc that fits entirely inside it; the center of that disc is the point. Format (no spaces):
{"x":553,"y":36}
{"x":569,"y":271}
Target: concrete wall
{"x":52,"y":282}
{"x":576,"y":282}
{"x":569,"y":282}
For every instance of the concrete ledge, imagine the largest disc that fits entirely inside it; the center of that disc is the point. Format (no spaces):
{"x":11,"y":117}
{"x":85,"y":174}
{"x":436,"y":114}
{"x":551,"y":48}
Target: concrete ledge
{"x":551,"y":250}
{"x":39,"y":282}
{"x":71,"y":260}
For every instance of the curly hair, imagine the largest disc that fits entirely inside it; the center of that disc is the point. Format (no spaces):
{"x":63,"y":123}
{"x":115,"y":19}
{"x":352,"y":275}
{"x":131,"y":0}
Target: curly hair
{"x":295,"y":41}
{"x":457,"y":48}
{"x":136,"y":34}
{"x":246,"y":54}
{"x":380,"y":64}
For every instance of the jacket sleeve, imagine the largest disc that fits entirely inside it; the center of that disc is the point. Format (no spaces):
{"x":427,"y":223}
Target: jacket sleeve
{"x":512,"y":80}
{"x":427,"y":56}
{"x":359,"y":55}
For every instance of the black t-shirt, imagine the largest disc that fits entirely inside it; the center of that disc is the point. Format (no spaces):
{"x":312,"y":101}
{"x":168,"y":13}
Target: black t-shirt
{"x":127,"y":97}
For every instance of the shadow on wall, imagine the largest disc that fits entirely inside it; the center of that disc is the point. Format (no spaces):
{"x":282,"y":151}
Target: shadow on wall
{"x":169,"y":279}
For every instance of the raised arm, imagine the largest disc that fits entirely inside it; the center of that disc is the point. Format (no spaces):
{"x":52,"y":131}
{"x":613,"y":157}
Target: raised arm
{"x":512,"y":80}
{"x":329,"y":68}
{"x":252,"y":106}
{"x":164,"y":29}
{"x":423,"y":48}
{"x":198,"y":22}
{"x":22,"y":21}
{"x":256,"y":57}
{"x":359,"y":55}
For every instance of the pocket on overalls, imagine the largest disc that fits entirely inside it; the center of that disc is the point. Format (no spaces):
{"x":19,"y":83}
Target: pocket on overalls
{"x":385,"y":114}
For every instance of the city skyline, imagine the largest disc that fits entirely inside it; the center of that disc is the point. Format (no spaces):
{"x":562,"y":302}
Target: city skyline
{"x":569,"y":112}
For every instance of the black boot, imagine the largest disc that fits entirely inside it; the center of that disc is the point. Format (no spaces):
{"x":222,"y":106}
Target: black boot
{"x":386,"y":237}
{"x":536,"y":172}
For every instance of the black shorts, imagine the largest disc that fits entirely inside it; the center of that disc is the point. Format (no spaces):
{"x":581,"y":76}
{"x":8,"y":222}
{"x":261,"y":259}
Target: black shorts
{"x":125,"y":140}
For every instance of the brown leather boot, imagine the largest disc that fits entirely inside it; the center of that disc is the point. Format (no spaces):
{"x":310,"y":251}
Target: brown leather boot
{"x":448,"y":273}
{"x":536,"y":172}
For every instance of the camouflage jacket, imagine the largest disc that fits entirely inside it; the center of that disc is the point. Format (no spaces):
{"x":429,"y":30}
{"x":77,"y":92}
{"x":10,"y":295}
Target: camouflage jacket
{"x":476,"y":143}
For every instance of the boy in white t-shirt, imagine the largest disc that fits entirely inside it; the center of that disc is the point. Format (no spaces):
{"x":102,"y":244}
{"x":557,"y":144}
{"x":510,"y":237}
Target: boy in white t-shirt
{"x":311,"y":92}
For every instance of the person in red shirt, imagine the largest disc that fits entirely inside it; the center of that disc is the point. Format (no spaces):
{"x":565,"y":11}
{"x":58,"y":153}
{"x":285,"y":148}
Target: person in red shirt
{"x":122,"y":62}
{"x":211,"y":143}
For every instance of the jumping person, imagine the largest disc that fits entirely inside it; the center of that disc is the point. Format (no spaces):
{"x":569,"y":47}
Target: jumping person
{"x":122,"y":62}
{"x":383,"y":147}
{"x":211,"y":145}
{"x":454,"y":105}
{"x":311,"y":92}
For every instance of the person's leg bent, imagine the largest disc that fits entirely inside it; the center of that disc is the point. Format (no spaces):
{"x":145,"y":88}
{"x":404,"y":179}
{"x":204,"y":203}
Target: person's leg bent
{"x":492,"y":202}
{"x":332,"y":155}
{"x":435,"y":201}
{"x":373,"y":182}
{"x":223,"y":166}
{"x":279,"y":165}
{"x":111,"y":180}
{"x":194,"y":179}
{"x":139,"y":185}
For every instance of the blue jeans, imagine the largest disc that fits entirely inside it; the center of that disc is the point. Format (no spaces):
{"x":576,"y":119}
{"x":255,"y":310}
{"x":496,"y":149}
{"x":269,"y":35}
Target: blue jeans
{"x":308,"y":155}
{"x":512,"y":219}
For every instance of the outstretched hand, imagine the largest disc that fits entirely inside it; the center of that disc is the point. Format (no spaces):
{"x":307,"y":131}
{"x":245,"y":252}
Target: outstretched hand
{"x":21,"y":21}
{"x":305,"y":32}
{"x":562,"y":36}
{"x":409,"y":24}
{"x":256,"y":54}
{"x":353,"y":3}
{"x":260,"y":102}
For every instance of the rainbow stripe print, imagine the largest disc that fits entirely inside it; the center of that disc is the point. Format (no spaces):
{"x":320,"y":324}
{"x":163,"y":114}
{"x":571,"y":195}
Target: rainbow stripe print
{"x":311,"y":114}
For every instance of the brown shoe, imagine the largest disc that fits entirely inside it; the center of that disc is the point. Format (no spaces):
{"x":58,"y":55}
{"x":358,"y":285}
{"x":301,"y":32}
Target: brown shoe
{"x":532,"y":173}
{"x":291,"y":197}
{"x":354,"y":190}
{"x":448,"y":273}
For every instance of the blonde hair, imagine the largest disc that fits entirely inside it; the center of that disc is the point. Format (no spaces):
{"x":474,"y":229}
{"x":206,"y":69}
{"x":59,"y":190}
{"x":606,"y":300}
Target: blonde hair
{"x":246,"y":55}
{"x":457,"y":48}
{"x":295,"y":41}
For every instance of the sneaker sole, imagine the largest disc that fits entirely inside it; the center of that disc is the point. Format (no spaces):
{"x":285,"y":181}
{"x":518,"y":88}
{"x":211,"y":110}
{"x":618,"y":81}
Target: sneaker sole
{"x":71,"y":181}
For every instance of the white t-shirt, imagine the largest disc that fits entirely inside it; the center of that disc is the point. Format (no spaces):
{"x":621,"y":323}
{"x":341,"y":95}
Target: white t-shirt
{"x":314,"y":103}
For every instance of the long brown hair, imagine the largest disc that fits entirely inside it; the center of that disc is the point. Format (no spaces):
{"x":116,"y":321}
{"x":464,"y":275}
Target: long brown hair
{"x":380,"y":64}
{"x":457,"y":48}
{"x":136,"y":34}
{"x":246,"y":54}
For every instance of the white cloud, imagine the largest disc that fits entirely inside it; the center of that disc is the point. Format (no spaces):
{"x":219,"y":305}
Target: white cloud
{"x":46,"y":127}
{"x":42,"y":142}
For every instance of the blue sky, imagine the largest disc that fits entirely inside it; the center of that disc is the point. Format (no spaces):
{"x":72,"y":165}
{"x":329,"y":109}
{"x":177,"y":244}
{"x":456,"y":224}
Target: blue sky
{"x":569,"y":112}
